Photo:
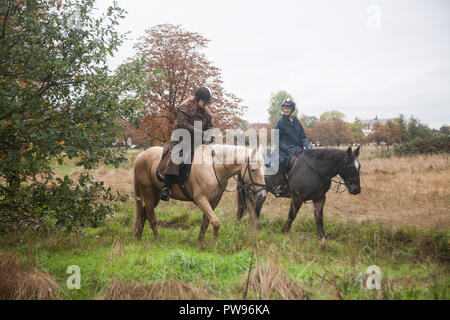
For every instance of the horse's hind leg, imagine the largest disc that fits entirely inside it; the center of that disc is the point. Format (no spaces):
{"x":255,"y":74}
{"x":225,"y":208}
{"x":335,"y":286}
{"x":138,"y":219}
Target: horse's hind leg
{"x":145,"y":210}
{"x":150,"y":203}
{"x":139,"y":219}
{"x":318,"y":215}
{"x":203,"y":228}
{"x":296,"y":203}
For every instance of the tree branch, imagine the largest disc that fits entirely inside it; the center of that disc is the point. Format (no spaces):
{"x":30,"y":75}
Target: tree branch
{"x":4,"y":20}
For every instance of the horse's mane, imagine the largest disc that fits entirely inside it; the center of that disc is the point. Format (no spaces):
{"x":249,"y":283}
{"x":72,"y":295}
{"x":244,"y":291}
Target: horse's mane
{"x":325,"y":154}
{"x":222,"y":150}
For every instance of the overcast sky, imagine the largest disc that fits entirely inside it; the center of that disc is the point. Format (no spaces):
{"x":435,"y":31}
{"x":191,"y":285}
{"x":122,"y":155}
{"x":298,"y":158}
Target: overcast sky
{"x":363,"y":58}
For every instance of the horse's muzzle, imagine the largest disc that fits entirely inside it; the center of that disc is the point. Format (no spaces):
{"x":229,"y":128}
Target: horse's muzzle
{"x":354,"y":189}
{"x":260,"y":198}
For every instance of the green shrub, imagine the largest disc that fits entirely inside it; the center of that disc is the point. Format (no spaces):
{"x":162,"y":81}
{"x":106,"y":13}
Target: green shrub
{"x":65,"y":204}
{"x":435,"y":144}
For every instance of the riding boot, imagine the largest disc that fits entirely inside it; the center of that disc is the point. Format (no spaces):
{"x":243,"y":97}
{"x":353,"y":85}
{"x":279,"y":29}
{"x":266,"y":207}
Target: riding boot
{"x":165,"y":191}
{"x":282,"y":190}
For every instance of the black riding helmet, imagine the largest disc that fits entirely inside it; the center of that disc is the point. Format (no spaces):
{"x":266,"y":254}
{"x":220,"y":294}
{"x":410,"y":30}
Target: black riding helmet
{"x":288,"y":102}
{"x":205,"y":94}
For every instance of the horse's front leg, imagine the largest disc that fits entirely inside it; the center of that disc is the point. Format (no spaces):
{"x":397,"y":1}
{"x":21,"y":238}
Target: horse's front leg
{"x":296,"y":203}
{"x":205,"y":206}
{"x":241,"y":198}
{"x":203,"y":228}
{"x":318,"y":215}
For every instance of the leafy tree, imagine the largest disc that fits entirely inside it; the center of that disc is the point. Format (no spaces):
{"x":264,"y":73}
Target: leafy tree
{"x":182,"y":68}
{"x":309,"y":121}
{"x":445,"y":130}
{"x":329,"y":115}
{"x":379,"y":133}
{"x":412,"y":129}
{"x":276,"y":99}
{"x":418,"y":130}
{"x":331,"y":132}
{"x":357,"y":129}
{"x":243,"y":124}
{"x":394,"y":132}
{"x":59,"y":100}
{"x":403,"y":124}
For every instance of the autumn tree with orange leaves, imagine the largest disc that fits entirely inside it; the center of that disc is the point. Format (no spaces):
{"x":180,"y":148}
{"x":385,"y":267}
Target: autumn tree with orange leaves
{"x":388,"y":133}
{"x":379,"y":133}
{"x":333,"y":131}
{"x":176,"y":67}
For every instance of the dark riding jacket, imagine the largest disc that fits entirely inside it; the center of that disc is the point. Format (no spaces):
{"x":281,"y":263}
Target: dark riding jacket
{"x":292,"y":139}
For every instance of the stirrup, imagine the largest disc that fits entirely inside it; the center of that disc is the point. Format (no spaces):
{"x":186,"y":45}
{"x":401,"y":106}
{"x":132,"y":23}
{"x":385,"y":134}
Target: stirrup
{"x":279,"y":191}
{"x":165,"y":194}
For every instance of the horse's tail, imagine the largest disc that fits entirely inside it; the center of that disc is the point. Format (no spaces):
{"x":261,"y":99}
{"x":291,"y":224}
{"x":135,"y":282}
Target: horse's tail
{"x":140,"y":217}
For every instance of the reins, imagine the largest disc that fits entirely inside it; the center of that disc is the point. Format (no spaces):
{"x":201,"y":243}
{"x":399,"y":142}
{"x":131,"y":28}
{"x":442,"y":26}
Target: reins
{"x":253,"y":184}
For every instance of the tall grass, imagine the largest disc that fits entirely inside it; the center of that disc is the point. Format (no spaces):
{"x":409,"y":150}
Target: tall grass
{"x":399,"y":222}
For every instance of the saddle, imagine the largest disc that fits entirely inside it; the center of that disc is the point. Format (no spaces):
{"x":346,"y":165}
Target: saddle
{"x":282,"y":189}
{"x":291,"y":162}
{"x":185,"y":171}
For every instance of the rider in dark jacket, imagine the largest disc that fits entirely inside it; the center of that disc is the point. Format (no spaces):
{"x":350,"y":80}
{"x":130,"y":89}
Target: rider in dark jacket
{"x":291,"y":133}
{"x":292,"y":138}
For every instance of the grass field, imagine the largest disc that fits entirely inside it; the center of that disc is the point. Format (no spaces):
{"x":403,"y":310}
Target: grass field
{"x":399,"y":222}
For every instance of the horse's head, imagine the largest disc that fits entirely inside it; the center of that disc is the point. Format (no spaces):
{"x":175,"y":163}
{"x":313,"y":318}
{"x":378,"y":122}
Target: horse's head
{"x":349,"y":171}
{"x":252,"y":174}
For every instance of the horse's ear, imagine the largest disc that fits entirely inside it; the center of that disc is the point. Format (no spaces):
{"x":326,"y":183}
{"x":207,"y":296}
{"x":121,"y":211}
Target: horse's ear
{"x":356,"y":152}
{"x":349,"y":152}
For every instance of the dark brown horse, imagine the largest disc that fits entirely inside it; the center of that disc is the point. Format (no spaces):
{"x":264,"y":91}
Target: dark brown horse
{"x":309,"y":177}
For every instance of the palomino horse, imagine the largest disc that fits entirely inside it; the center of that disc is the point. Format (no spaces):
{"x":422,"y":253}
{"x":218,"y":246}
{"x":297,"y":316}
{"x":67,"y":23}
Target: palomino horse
{"x":211,"y":169}
{"x":310,"y":179}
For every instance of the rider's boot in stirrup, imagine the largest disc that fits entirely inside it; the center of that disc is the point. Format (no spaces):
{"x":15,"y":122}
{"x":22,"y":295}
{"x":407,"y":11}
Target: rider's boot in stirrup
{"x":281,"y":190}
{"x":165,"y":192}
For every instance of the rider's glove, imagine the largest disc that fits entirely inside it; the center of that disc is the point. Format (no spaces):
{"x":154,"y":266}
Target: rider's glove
{"x":305,"y":143}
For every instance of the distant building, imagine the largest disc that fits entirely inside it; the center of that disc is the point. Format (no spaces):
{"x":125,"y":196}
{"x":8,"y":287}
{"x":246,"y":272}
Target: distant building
{"x":368,"y":124}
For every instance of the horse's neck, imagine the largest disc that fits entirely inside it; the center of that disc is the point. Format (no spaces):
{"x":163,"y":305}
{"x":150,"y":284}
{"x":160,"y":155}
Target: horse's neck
{"x":226,"y":169}
{"x":329,"y":168}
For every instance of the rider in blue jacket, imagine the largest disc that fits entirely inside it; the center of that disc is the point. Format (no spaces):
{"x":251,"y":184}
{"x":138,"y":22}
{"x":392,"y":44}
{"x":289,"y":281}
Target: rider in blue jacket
{"x":292,"y":137}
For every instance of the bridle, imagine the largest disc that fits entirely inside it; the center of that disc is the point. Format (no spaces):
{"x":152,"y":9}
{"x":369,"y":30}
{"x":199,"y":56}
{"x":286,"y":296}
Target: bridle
{"x":253,"y":184}
{"x":340,"y":181}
